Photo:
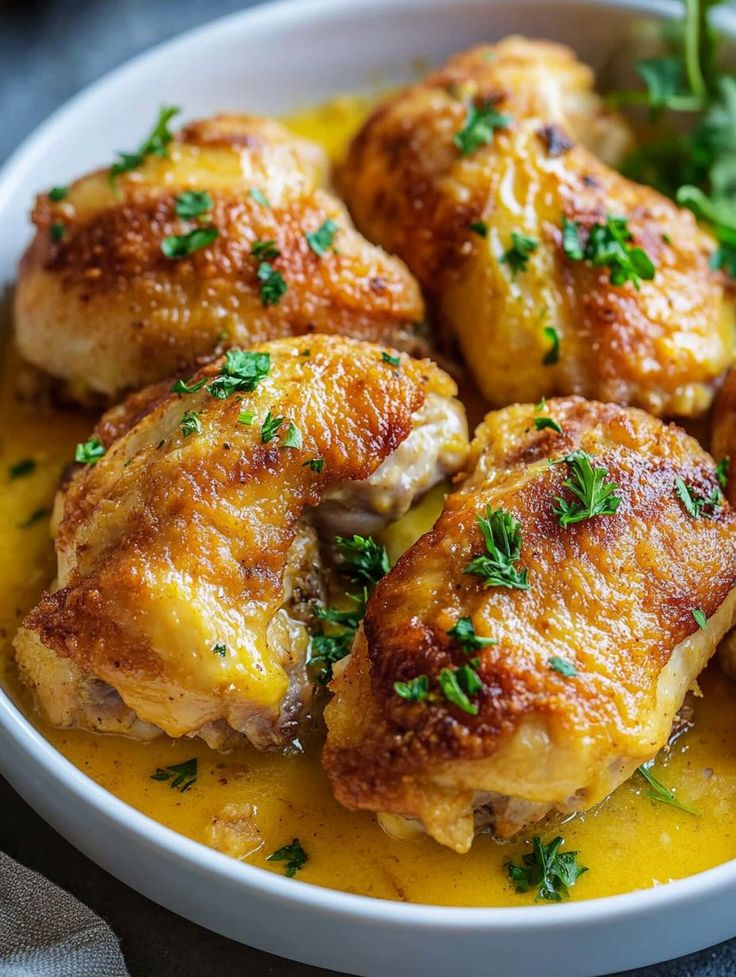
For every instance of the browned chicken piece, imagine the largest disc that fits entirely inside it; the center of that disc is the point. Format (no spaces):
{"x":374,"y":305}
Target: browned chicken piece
{"x":473,"y":175}
{"x":723,"y":447}
{"x":188,"y":559}
{"x":100,"y":305}
{"x":525,"y":657}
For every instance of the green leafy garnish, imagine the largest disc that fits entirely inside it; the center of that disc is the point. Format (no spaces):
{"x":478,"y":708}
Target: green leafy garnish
{"x":270,"y":427}
{"x":593,"y":495}
{"x":315,"y":464}
{"x":481,"y":122}
{"x":320,"y":241}
{"x":391,"y":360}
{"x":273,"y":286}
{"x":182,"y":387}
{"x":517,"y":256}
{"x":544,"y":423}
{"x":464,"y":633}
{"x":190,"y":423}
{"x":547,"y":869}
{"x":245,"y":417}
{"x":608,"y":245}
{"x":552,"y":355}
{"x":700,"y":618}
{"x":57,"y":231}
{"x":192,"y":203}
{"x":294,"y":856}
{"x":658,"y":792}
{"x":58,"y":193}
{"x":260,"y":197}
{"x":265,"y":250}
{"x":21,"y":468}
{"x":157,"y":144}
{"x":293,"y":437}
{"x":479,"y":227}
{"x":722,"y":470}
{"x":458,"y":684}
{"x":36,"y":516}
{"x":89,"y":452}
{"x":364,"y":561}
{"x":502,"y":537}
{"x":414,"y":690}
{"x":220,"y":648}
{"x":562,"y":667}
{"x":695,"y":504}
{"x":181,"y":776}
{"x":175,"y":246}
{"x":241,"y":371}
{"x":327,"y":649}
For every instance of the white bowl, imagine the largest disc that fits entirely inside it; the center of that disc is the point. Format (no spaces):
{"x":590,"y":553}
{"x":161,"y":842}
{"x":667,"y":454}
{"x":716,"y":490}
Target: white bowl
{"x":275,"y":59}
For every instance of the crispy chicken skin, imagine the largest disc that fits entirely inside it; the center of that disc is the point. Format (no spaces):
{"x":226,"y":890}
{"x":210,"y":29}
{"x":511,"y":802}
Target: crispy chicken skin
{"x":189,"y":566}
{"x":723,"y":446}
{"x":103,"y":309}
{"x":613,"y":596}
{"x":661,"y":347}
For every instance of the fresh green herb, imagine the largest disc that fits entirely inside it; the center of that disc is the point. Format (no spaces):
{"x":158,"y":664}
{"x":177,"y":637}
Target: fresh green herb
{"x":182,"y":387}
{"x":293,"y":437}
{"x":21,"y":468}
{"x":722,"y":469}
{"x":36,"y":516}
{"x":192,"y":203}
{"x":270,"y":427}
{"x":464,"y":633}
{"x":364,"y":561}
{"x":245,"y":417}
{"x":562,"y":667}
{"x":273,"y":286}
{"x":294,"y":856}
{"x":543,"y":423}
{"x":552,"y":355}
{"x":593,"y":495}
{"x":241,"y":371}
{"x":89,"y":452}
{"x":547,"y":869}
{"x":220,"y":649}
{"x":156,"y":144}
{"x":58,"y":193}
{"x":658,"y":792}
{"x":608,"y":245}
{"x":190,"y":423}
{"x":479,"y":227}
{"x":502,"y":536}
{"x":481,"y":122}
{"x":320,"y":241}
{"x":260,"y":197}
{"x":181,"y":776}
{"x":265,"y":250}
{"x":700,"y":618}
{"x":176,"y":246}
{"x":458,"y":684}
{"x":391,"y":360}
{"x":415,"y":690}
{"x":694,"y":504}
{"x":316,"y":464}
{"x":517,"y":256}
{"x":57,"y":231}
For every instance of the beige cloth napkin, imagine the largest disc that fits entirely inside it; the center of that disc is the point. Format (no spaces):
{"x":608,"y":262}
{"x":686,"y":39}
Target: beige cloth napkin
{"x":46,"y":932}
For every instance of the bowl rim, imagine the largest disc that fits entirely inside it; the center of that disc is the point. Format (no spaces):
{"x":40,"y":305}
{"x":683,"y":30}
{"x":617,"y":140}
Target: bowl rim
{"x":128,"y":820}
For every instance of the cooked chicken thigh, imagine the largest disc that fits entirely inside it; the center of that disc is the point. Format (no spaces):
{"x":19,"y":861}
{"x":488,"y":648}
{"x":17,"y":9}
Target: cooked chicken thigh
{"x":527,"y":654}
{"x":189,"y":564}
{"x":100,"y":305}
{"x":556,"y":274}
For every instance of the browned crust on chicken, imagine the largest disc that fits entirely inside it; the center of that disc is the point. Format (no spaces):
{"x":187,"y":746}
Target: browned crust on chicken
{"x":723,"y":442}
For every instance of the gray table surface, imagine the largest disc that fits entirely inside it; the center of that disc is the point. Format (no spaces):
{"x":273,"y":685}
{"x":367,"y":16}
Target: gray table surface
{"x":49,"y":50}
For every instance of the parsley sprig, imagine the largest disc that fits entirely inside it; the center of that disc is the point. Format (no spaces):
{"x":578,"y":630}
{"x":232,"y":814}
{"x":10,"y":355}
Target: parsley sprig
{"x":696,"y":505}
{"x":502,"y":537}
{"x":608,"y":245}
{"x":663,"y":795}
{"x":364,"y":561}
{"x":241,"y":371}
{"x":547,"y":869}
{"x":89,"y":452}
{"x":517,"y":254}
{"x":155,"y":144}
{"x":594,"y":496}
{"x":481,"y":121}
{"x":294,"y":856}
{"x":181,"y":776}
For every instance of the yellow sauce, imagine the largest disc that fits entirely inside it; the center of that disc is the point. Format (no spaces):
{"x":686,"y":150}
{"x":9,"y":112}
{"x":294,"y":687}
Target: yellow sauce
{"x":628,"y":842}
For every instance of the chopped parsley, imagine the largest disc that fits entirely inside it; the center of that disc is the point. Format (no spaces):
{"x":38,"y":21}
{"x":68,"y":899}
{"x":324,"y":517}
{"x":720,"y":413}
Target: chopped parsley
{"x":181,"y":776}
{"x":192,"y":203}
{"x":458,"y":684}
{"x":320,"y":241}
{"x":245,"y":417}
{"x":464,"y":633}
{"x":294,"y":856}
{"x":391,"y":360}
{"x":609,"y":246}
{"x":270,"y":427}
{"x":517,"y":256}
{"x":562,"y":667}
{"x":273,"y":286}
{"x":20,"y":469}
{"x":57,"y":231}
{"x":190,"y":423}
{"x":36,"y":516}
{"x":293,"y":437}
{"x":89,"y":452}
{"x":241,"y":371}
{"x":479,"y":227}
{"x":265,"y":250}
{"x":502,"y":537}
{"x":260,"y":197}
{"x":663,"y":795}
{"x":156,"y":144}
{"x":722,"y":470}
{"x":182,"y":387}
{"x":364,"y":561}
{"x":695,"y":504}
{"x":315,"y":464}
{"x":58,"y":193}
{"x":593,"y":495}
{"x":220,"y":648}
{"x":481,"y":121}
{"x":547,"y":869}
{"x":414,"y":690}
{"x":700,"y":618}
{"x":176,"y":246}
{"x":552,"y":355}
{"x":547,"y":423}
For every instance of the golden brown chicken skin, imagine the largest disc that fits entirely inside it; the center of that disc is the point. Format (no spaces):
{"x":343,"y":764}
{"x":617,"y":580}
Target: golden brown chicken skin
{"x":99,"y":304}
{"x":478,"y":216}
{"x":590,"y":662}
{"x":188,"y":558}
